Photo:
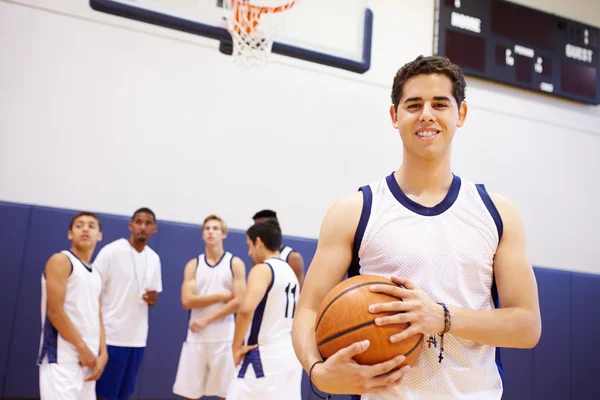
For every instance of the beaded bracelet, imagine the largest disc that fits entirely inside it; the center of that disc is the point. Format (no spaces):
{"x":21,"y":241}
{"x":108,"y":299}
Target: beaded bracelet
{"x":447,"y":326}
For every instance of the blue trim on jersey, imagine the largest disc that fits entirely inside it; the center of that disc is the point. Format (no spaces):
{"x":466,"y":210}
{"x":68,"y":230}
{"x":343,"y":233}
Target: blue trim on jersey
{"x":417,"y":208}
{"x":218,"y":262}
{"x":252,"y":357}
{"x":231,"y":265}
{"x":489,"y":204}
{"x":89,"y":269}
{"x":49,"y":343}
{"x":365,"y":214}
{"x":260,"y":312}
{"x":496,"y":300}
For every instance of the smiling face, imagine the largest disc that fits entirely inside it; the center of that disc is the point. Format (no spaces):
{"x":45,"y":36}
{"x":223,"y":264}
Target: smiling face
{"x":427,"y":116}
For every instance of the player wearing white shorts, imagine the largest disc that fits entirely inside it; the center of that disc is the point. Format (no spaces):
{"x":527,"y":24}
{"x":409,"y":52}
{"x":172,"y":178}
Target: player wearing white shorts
{"x":72,"y":352}
{"x":212,"y":287}
{"x":268,"y":367}
{"x":286,"y":253}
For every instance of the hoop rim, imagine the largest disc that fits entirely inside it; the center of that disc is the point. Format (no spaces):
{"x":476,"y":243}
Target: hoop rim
{"x":262,"y":9}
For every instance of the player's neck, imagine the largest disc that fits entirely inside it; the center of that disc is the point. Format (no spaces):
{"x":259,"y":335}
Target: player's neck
{"x":85,"y":255}
{"x":272,"y":254}
{"x":214,"y":252}
{"x":138,"y":246}
{"x":417,"y":175}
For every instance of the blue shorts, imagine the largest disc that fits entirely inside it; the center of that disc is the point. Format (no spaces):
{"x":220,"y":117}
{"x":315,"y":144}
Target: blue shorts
{"x":120,"y":374}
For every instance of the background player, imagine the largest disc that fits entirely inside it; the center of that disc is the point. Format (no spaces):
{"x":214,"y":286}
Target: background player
{"x":213,"y":285}
{"x":269,"y":368}
{"x":287,"y":253}
{"x":72,"y":353}
{"x":131,"y":279}
{"x":445,"y":240}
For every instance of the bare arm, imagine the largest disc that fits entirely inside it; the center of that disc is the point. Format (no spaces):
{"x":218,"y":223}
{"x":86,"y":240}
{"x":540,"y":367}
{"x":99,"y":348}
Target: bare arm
{"x":238,"y":269}
{"x":57,"y":271}
{"x":102,"y":358}
{"x":340,"y":373}
{"x":191,"y":300}
{"x":297,"y":263}
{"x":259,"y":279}
{"x":517,"y":324}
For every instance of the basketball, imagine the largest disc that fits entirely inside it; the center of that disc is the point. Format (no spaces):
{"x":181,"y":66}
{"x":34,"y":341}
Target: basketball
{"x":344,"y":319}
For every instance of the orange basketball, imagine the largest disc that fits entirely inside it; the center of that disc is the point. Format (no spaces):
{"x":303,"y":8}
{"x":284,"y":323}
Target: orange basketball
{"x":344,"y":319}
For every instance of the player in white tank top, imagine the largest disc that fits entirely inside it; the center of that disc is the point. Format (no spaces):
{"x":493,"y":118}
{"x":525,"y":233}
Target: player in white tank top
{"x":213,"y":285}
{"x":286,"y":253}
{"x":72,"y":345}
{"x":452,"y":249}
{"x":262,"y":346}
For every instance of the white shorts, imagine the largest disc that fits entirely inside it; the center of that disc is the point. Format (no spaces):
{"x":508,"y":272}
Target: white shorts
{"x":205,"y":369}
{"x":66,"y":382}
{"x":286,"y":385}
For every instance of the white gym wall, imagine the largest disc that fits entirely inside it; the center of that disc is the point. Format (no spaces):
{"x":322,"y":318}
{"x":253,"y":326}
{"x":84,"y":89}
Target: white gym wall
{"x":106,"y":114}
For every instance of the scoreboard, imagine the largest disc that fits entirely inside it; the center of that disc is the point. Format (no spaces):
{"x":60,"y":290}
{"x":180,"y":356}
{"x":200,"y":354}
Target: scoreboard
{"x":519,"y":46}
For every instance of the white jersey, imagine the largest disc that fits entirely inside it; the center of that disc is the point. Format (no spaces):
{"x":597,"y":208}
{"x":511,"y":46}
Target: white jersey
{"x":211,"y":279}
{"x":126,"y":274}
{"x":82,"y":306}
{"x":271,"y":326}
{"x":448,"y":251}
{"x":285,"y":252}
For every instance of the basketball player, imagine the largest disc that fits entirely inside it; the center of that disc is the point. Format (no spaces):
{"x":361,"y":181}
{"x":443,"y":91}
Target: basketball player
{"x":213,"y":285}
{"x":451,"y":248}
{"x":72,"y":352}
{"x":131,"y":281}
{"x":287,"y":254}
{"x":269,"y":368}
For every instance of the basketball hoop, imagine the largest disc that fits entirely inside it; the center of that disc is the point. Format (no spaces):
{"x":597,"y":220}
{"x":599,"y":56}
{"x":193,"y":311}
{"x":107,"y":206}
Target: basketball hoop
{"x":252,"y":36}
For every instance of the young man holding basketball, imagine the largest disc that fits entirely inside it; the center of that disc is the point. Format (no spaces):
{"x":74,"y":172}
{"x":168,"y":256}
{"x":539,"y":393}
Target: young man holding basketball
{"x":262,"y":344}
{"x":72,"y":353}
{"x":452,"y":249}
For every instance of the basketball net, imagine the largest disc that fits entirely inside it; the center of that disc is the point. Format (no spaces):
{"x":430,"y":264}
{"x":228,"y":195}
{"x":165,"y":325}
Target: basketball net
{"x":252,"y":36}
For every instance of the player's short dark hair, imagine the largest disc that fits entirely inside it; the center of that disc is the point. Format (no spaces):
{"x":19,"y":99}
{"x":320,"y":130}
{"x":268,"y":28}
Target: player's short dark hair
{"x":85,"y":214}
{"x":144,"y":210}
{"x":268,"y":231}
{"x":429,"y":65}
{"x":265,"y":214}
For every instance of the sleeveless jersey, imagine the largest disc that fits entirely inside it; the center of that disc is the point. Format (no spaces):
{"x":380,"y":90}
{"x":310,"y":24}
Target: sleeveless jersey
{"x":448,"y":251}
{"x":83,"y":309}
{"x":211,"y":279}
{"x":285,"y":252}
{"x":271,"y":326}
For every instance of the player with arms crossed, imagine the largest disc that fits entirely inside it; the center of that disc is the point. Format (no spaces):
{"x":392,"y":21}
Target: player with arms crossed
{"x":72,"y":352}
{"x":213,"y":285}
{"x":452,"y":249}
{"x":269,"y":368}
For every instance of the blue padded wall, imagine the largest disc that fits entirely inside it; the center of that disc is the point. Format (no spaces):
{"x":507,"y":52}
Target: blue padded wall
{"x":585,"y":325}
{"x":14,"y":224}
{"x":562,"y":366}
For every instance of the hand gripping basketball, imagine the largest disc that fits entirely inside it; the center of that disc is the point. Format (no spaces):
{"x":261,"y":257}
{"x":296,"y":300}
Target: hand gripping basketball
{"x":414,"y":307}
{"x":340,"y":374}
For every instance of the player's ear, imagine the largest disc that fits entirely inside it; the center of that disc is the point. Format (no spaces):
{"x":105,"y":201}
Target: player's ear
{"x":69,"y":235}
{"x":462,"y":114}
{"x":100,"y":236}
{"x":394,"y":116}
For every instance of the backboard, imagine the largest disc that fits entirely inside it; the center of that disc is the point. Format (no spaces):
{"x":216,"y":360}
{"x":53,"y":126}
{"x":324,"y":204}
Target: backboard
{"x":337,"y":33}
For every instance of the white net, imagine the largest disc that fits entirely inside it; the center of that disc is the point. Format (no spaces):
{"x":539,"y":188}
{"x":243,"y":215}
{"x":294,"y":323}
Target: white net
{"x":253,"y":27}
